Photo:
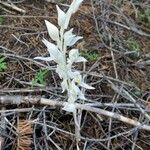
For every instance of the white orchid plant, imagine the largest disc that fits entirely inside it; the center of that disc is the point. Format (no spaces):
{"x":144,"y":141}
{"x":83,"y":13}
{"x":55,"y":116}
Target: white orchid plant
{"x":72,"y":80}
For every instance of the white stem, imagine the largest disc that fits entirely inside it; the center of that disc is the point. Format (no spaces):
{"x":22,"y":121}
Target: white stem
{"x":63,"y":48}
{"x":77,"y":127}
{"x":61,"y":38}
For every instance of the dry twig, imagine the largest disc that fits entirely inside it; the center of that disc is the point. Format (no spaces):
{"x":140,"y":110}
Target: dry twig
{"x":34,"y":100}
{"x":12,"y":6}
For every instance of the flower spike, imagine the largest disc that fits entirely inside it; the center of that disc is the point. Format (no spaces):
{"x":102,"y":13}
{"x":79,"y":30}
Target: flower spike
{"x":72,"y":80}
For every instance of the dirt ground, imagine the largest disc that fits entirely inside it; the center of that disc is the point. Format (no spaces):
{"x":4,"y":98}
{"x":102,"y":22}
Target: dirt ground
{"x":116,"y":44}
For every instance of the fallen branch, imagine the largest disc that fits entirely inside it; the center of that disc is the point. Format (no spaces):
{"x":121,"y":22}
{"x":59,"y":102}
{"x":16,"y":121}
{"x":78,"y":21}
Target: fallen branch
{"x":126,"y":95}
{"x":35,"y":100}
{"x":12,"y":6}
{"x":2,"y":129}
{"x":1,"y":142}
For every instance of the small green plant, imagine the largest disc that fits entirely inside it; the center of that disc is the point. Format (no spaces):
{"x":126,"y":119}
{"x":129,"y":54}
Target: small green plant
{"x":136,"y":93}
{"x":133,"y":45}
{"x":2,"y":19}
{"x":3,"y":64}
{"x":144,"y":16}
{"x":40,"y":78}
{"x":62,"y":1}
{"x":90,"y":56}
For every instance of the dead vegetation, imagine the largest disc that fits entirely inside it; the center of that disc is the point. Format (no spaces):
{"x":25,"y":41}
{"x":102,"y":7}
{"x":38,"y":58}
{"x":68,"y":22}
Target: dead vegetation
{"x":116,"y":43}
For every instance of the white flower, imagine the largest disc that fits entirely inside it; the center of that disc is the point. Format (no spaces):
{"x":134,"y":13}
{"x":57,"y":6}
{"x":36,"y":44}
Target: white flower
{"x":74,"y":93}
{"x":65,"y":71}
{"x":52,"y":31}
{"x":64,"y":85}
{"x":79,"y":80}
{"x":61,"y":70}
{"x":70,"y":73}
{"x":70,"y":107}
{"x":70,"y":39}
{"x":75,"y":57}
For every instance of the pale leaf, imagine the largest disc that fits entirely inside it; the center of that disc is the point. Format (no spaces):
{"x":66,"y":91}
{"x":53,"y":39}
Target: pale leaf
{"x":52,"y":31}
{"x":61,"y":16}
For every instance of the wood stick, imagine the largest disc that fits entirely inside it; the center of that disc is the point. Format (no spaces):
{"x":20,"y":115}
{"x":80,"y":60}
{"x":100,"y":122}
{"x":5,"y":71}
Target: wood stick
{"x":12,"y":6}
{"x":39,"y":100}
